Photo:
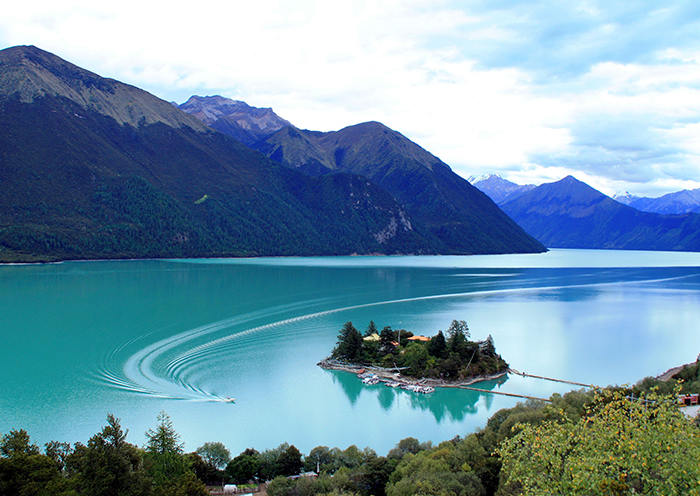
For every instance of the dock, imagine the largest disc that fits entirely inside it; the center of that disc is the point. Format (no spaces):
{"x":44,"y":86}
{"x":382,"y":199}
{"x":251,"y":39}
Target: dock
{"x":523,"y":374}
{"x":513,"y":395}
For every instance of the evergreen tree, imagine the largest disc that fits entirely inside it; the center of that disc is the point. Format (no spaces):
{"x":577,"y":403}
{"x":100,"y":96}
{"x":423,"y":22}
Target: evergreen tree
{"x":458,"y":339}
{"x":489,"y":348}
{"x":166,"y":463}
{"x":58,"y":452}
{"x":16,"y":443}
{"x":108,"y":465}
{"x":386,"y":337}
{"x":349,"y":346}
{"x":163,"y":439}
{"x":371,"y":329}
{"x":437,"y":346}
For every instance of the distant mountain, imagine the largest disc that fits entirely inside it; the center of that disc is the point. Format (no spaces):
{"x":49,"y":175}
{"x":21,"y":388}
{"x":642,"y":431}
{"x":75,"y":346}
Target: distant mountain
{"x":233,"y":117}
{"x":500,"y":190}
{"x":94,"y":168}
{"x":680,"y":202}
{"x":444,"y":205}
{"x":625,"y":198}
{"x":570,"y":214}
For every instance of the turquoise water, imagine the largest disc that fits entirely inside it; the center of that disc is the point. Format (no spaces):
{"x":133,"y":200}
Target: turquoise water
{"x":81,"y":339}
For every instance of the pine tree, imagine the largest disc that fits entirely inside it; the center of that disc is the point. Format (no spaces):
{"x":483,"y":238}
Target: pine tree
{"x":371,"y":329}
{"x":163,"y":439}
{"x":437,"y":346}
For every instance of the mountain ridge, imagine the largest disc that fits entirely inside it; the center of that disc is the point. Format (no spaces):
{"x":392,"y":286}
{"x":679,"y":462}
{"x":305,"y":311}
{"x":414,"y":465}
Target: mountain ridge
{"x":95,"y":168}
{"x":446,"y":205}
{"x":500,"y":190}
{"x":571,"y":214}
{"x":677,"y":202}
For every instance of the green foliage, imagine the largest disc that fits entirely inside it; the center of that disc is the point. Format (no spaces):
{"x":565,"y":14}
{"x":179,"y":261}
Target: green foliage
{"x":453,"y":358}
{"x":58,"y":452}
{"x":92,"y":188}
{"x":26,"y":475}
{"x":620,"y":446}
{"x":349,"y":346}
{"x":438,"y":346}
{"x":244,"y":467}
{"x":169,"y":469}
{"x":371,"y":329}
{"x":163,"y":439}
{"x":289,"y":461}
{"x":444,"y":470}
{"x":16,"y":443}
{"x":214,"y":453}
{"x":108,"y":465}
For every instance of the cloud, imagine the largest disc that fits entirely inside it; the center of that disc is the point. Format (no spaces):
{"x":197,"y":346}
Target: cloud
{"x":605,"y":91}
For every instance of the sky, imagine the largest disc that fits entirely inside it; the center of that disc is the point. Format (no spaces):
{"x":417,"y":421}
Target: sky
{"x":606,"y":91}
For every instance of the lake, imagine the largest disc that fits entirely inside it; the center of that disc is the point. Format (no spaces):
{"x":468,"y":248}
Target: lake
{"x":81,"y":339}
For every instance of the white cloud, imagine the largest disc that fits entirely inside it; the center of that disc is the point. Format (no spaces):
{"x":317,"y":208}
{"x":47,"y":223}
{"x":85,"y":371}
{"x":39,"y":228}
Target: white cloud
{"x":417,"y":66}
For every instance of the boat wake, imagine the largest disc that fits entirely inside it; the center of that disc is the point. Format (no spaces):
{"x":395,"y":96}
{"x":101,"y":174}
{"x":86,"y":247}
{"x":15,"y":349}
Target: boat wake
{"x":172,"y":367}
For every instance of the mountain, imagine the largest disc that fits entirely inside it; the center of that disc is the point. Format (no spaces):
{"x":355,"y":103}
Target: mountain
{"x":444,"y":206}
{"x":233,"y":117}
{"x":625,"y":198}
{"x":680,"y":202}
{"x":94,"y":168}
{"x":500,"y":190}
{"x":570,"y":214}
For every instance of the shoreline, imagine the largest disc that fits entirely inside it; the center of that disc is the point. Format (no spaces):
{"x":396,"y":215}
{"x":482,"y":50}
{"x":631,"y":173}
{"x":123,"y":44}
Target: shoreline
{"x":249,"y":257}
{"x":390,"y":375}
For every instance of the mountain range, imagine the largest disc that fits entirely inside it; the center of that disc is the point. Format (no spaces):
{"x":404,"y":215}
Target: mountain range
{"x":444,"y":206}
{"x":94,"y":168}
{"x":498,"y":189}
{"x":679,"y":202}
{"x":571,"y":214}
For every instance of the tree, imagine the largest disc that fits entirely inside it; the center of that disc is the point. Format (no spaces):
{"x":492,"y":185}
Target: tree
{"x":16,"y":443}
{"x":437,"y":346}
{"x":415,"y":358}
{"x":215,"y":454}
{"x":165,"y":462}
{"x":405,"y":446}
{"x":349,"y":346}
{"x":437,"y":471}
{"x":203,"y":470}
{"x":289,"y":461}
{"x":458,"y":339}
{"x":489,"y":348}
{"x":620,"y":446}
{"x":35,"y":474}
{"x":108,"y":465}
{"x":163,"y":439}
{"x":58,"y":452}
{"x":320,"y":457}
{"x":244,"y":467}
{"x":23,"y":471}
{"x":386,"y":337}
{"x":371,"y":329}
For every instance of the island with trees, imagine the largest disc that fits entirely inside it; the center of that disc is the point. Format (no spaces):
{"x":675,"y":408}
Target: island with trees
{"x":399,"y":358}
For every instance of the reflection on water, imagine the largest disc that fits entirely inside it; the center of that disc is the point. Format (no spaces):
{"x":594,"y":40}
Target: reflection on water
{"x":444,"y":403}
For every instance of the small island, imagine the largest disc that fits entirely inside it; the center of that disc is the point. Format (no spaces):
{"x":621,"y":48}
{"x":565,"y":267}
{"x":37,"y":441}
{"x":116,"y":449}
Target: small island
{"x":417,"y":363}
